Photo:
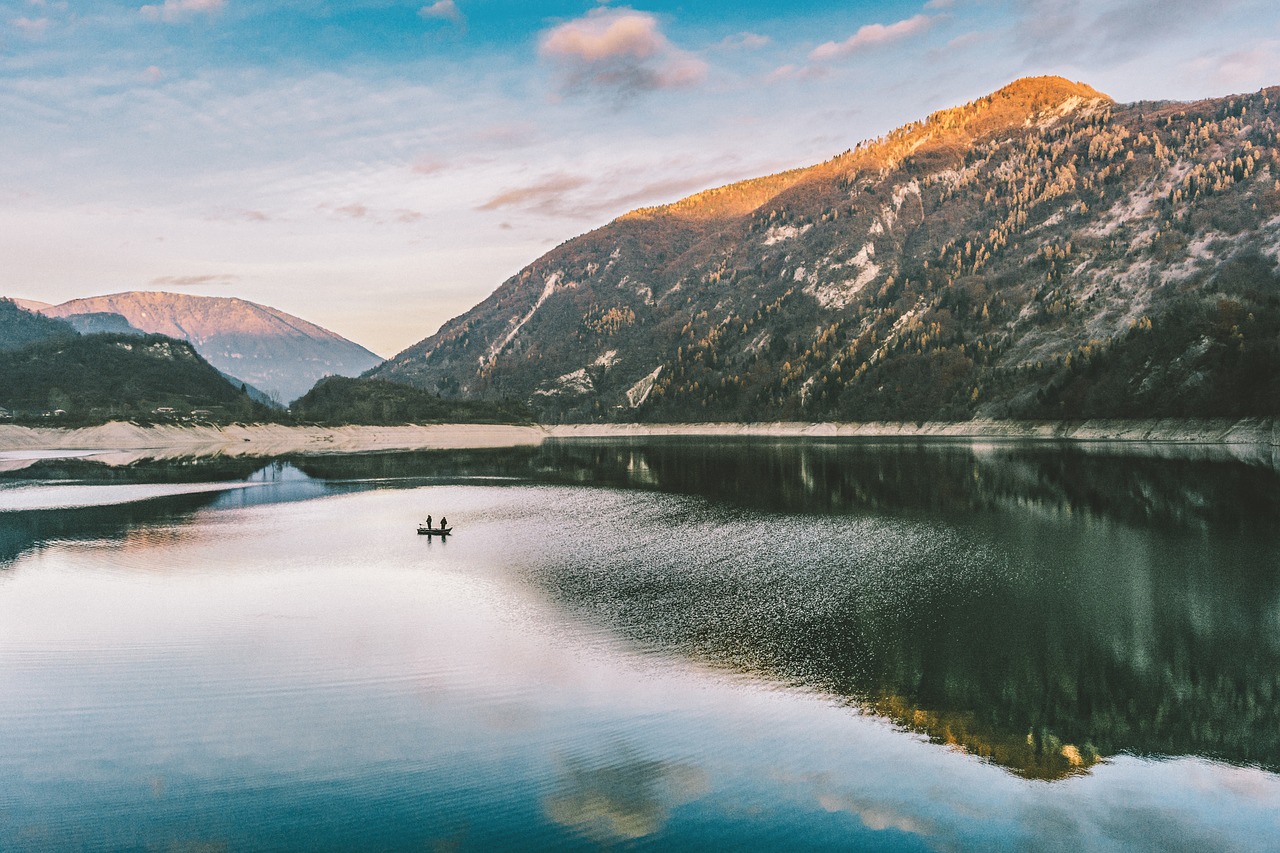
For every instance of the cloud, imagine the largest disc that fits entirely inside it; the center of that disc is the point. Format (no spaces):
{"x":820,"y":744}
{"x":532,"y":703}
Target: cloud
{"x":378,"y":216}
{"x":609,"y":193}
{"x":872,"y":35}
{"x":193,"y":280}
{"x":1249,"y":67}
{"x":31,"y":27}
{"x":1094,"y":31}
{"x":444,"y":10}
{"x":968,"y":39}
{"x":620,"y":51}
{"x":172,"y":11}
{"x":545,"y":196}
{"x":785,"y":73}
{"x":745,"y":41}
{"x":355,"y":211}
{"x":428,"y":167}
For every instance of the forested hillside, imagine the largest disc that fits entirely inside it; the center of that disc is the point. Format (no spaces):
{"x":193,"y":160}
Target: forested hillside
{"x":93,"y":378}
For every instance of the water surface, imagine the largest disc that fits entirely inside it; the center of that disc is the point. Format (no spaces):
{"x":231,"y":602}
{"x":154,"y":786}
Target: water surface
{"x":659,"y":645}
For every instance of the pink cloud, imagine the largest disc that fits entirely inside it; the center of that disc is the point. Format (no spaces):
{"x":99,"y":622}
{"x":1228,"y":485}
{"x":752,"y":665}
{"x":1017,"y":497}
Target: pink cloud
{"x":428,"y":166}
{"x":620,"y":50}
{"x":31,"y":27}
{"x":444,"y":10}
{"x":545,"y":195}
{"x":787,"y":73}
{"x":872,"y":35}
{"x":355,"y":211}
{"x":745,"y":41}
{"x":172,"y":11}
{"x":193,"y":280}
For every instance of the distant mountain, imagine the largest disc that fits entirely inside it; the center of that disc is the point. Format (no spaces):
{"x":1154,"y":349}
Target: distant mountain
{"x":261,"y":346}
{"x":20,"y":327}
{"x":1040,"y":252}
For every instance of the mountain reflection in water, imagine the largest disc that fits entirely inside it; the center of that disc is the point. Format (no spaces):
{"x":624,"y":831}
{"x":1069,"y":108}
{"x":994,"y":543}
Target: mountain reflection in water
{"x":1041,"y":606}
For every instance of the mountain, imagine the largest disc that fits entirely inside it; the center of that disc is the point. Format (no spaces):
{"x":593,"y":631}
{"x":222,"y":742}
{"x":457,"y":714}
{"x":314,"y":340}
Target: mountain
{"x":20,"y":327}
{"x":93,"y":378}
{"x":274,"y":351}
{"x":1040,"y":252}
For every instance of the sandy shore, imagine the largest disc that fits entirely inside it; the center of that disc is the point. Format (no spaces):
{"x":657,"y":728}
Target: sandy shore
{"x":120,"y":443}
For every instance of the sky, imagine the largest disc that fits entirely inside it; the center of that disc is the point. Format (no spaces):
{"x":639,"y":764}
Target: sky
{"x":379,"y":167}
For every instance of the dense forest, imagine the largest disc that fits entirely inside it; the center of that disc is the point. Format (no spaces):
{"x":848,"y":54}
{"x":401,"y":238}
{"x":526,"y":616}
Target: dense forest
{"x":338,"y":400}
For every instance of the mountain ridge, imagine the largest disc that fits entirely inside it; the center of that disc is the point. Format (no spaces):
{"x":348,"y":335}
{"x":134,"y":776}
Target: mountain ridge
{"x":1025,"y":255}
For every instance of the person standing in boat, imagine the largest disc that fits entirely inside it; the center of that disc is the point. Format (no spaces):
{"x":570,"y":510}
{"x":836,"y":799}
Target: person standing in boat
{"x":443,"y":525}
{"x":428,"y":522}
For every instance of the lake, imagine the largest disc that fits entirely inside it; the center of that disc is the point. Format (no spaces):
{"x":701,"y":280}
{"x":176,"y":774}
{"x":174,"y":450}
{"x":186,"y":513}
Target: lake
{"x":645,"y":645}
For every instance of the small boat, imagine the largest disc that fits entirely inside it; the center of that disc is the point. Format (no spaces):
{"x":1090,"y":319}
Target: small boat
{"x":434,"y":531}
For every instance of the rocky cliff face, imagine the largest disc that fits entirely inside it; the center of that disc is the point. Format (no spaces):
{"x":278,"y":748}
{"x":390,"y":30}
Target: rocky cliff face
{"x":1040,"y":252}
{"x":280,"y":354}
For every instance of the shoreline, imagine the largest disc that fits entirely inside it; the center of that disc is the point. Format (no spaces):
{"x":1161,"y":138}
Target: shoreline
{"x":276,"y":440}
{"x":1258,"y":432}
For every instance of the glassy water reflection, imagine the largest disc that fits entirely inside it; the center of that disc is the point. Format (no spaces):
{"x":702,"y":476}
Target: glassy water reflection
{"x":677,"y":645}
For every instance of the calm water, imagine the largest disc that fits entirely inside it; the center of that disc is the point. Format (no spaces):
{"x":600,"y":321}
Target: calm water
{"x":667,"y":646}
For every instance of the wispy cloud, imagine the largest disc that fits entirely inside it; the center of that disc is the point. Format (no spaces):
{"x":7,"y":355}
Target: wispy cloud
{"x":1239,"y":69}
{"x":364,"y":213}
{"x":545,"y":196}
{"x":355,"y":211}
{"x":172,"y":11}
{"x":31,"y":27}
{"x":1094,"y":31}
{"x":872,"y":35}
{"x":608,"y":193}
{"x":789,"y":72}
{"x":620,"y":51}
{"x":745,"y":41}
{"x":193,"y":280}
{"x":444,"y":10}
{"x":428,"y":166}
